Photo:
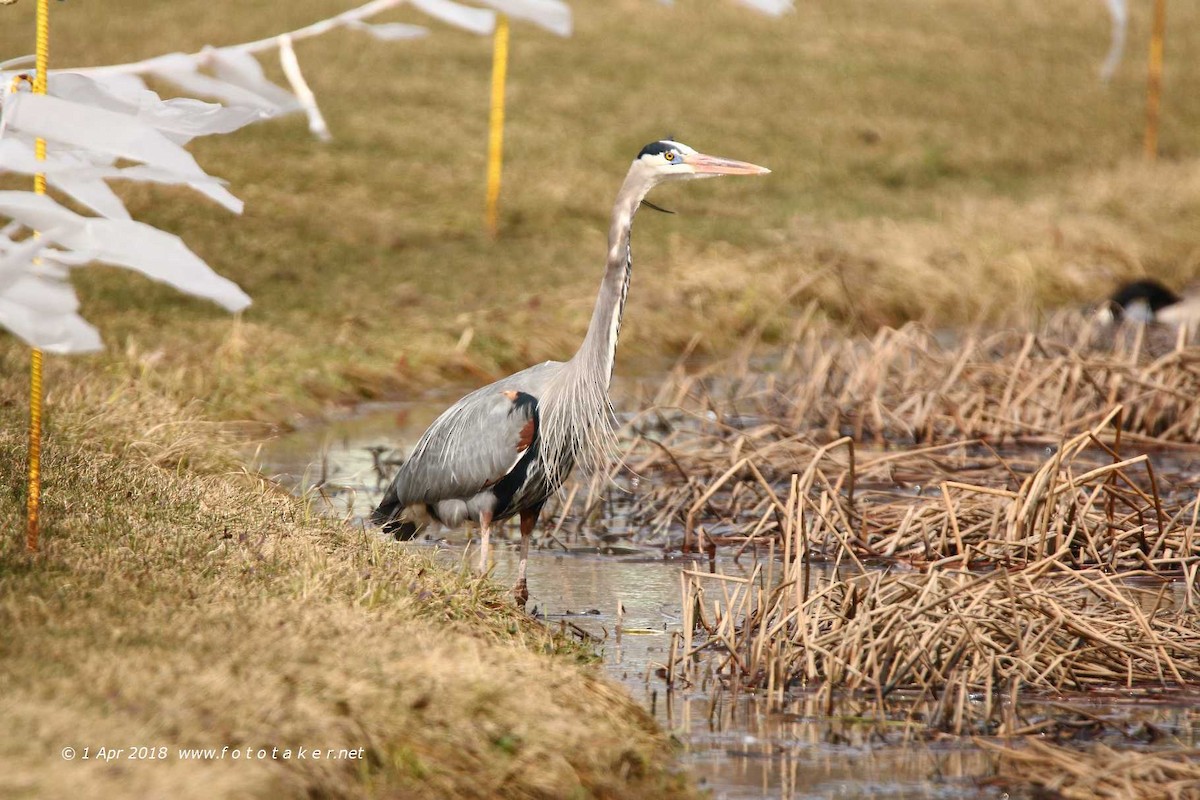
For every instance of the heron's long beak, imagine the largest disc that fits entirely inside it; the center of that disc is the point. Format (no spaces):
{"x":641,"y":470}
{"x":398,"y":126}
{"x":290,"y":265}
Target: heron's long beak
{"x":712,"y":165}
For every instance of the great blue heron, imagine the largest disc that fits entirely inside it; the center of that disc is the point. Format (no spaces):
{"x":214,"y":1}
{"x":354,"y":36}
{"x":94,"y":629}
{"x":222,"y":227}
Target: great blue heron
{"x":504,"y":449}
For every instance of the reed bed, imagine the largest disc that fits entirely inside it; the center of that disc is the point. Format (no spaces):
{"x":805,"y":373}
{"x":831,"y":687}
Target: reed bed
{"x":970,"y":535}
{"x":974,"y":535}
{"x":988,"y":450}
{"x":912,"y":385}
{"x":1099,"y":772}
{"x":976,"y":646}
{"x":965,"y":503}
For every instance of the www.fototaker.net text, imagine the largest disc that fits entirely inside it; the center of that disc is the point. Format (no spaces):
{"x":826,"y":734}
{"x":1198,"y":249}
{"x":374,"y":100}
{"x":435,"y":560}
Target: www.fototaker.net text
{"x":250,"y":753}
{"x":223,"y":753}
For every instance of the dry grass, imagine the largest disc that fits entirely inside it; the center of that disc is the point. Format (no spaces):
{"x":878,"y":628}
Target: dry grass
{"x":946,"y":161}
{"x":1099,"y":773}
{"x":977,"y":450}
{"x":181,"y":602}
{"x":978,"y":646}
{"x":942,"y":160}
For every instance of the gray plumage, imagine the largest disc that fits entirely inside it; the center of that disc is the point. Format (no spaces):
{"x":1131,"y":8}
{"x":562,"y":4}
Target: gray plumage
{"x":505,"y":448}
{"x":467,"y":451}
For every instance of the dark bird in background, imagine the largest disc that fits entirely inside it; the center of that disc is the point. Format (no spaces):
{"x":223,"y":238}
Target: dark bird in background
{"x":1147,"y":300}
{"x":502,"y":450}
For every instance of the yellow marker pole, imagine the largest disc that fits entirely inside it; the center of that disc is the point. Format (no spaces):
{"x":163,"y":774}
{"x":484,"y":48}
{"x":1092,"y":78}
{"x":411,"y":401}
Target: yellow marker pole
{"x":1154,"y":82}
{"x":33,"y":502}
{"x":496,"y":123}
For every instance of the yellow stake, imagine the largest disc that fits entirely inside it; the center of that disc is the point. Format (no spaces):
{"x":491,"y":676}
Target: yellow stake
{"x":33,"y":503}
{"x":496,"y":123}
{"x":1154,"y":83}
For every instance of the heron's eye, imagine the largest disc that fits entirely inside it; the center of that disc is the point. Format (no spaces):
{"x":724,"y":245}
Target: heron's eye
{"x":669,"y":155}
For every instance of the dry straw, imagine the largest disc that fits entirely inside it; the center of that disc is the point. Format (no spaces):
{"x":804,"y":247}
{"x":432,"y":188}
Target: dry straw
{"x":972,"y":644}
{"x":1100,"y":772}
{"x":1001,"y":513}
{"x":986,"y":450}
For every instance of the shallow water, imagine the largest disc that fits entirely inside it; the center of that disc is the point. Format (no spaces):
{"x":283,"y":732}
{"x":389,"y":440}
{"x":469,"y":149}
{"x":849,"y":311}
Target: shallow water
{"x":628,"y":606}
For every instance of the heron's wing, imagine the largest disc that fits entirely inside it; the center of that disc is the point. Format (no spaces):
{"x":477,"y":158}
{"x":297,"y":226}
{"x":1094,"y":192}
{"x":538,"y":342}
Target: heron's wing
{"x":470,"y":447}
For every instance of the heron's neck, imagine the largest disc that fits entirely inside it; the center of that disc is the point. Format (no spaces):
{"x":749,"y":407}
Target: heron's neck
{"x":578,"y":424}
{"x":599,"y":349}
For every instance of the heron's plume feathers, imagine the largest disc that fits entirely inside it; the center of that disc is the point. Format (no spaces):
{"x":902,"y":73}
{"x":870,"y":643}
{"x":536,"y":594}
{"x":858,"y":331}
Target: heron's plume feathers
{"x":578,"y":425}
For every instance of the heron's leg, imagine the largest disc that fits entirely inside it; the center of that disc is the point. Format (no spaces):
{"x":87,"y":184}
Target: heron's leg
{"x":485,"y":530}
{"x":521,"y":590}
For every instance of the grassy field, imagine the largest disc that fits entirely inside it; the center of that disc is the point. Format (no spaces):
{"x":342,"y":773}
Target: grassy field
{"x":941,"y":160}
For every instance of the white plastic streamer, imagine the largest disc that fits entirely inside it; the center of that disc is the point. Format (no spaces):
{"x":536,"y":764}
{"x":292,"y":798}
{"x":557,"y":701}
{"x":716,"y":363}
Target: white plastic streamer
{"x":94,"y":117}
{"x":36,"y":303}
{"x":69,"y":173}
{"x":1119,"y":12}
{"x":553,"y":15}
{"x":242,"y":70}
{"x":42,"y":311}
{"x":179,"y":119}
{"x":773,"y":7}
{"x":308,"y":100}
{"x":234,"y":86}
{"x":475,"y":20}
{"x":82,"y":178}
{"x":110,"y":133}
{"x":14,"y":258}
{"x":123,"y":243}
{"x":390,"y":31}
{"x":99,"y":130}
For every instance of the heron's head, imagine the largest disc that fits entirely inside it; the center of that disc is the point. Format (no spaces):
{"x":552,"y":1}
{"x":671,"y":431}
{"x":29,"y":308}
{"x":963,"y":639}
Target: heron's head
{"x":667,"y":160}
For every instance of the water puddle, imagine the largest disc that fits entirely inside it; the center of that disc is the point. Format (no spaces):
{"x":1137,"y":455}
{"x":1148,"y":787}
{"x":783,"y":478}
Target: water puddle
{"x":627,"y":602}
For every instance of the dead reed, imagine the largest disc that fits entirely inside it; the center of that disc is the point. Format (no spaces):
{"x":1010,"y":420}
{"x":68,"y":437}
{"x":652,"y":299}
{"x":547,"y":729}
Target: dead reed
{"x":915,"y":386}
{"x":989,"y":450}
{"x":976,"y":646}
{"x":1099,"y":772}
{"x":1002,"y":514}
